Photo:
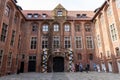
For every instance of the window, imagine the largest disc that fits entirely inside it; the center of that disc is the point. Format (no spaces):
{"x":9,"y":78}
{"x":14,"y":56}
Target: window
{"x":91,"y":56}
{"x":34,"y":28}
{"x":44,"y":42}
{"x":109,"y":11}
{"x":32,"y":58}
{"x":12,"y":38}
{"x":17,"y":59}
{"x":59,"y":13}
{"x":15,"y":19}
{"x":44,"y":15}
{"x":9,"y":59}
{"x":77,"y":27}
{"x":98,"y":41}
{"x":117,"y":51}
{"x":101,"y":19}
{"x":56,"y":27}
{"x":56,"y":42}
{"x":78,"y":15}
{"x":87,"y":28}
{"x":118,"y":3}
{"x":45,"y":27}
{"x":67,"y":27}
{"x":4,"y":32}
{"x":19,"y":40}
{"x":78,"y":42}
{"x":33,"y":42}
{"x":36,"y":15}
{"x":67,"y":43}
{"x":29,"y":15}
{"x":79,"y":57}
{"x":113,"y":32}
{"x":7,"y":10}
{"x":89,"y":42}
{"x":1,"y":57}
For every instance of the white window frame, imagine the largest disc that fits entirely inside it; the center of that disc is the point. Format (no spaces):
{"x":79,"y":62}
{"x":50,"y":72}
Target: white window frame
{"x":117,"y":3}
{"x":59,"y":13}
{"x":44,"y":38}
{"x":113,"y":32}
{"x":56,"y":27}
{"x":33,"y":39}
{"x":67,"y":38}
{"x":45,"y":28}
{"x":67,"y":27}
{"x":99,"y":40}
{"x":55,"y":39}
{"x":89,"y":41}
{"x":79,"y":40}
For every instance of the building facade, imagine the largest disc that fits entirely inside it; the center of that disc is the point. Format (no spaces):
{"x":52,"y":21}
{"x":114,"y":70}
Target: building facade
{"x":55,"y":40}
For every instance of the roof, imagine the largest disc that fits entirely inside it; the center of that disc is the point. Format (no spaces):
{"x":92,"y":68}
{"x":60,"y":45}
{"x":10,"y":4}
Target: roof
{"x":71,"y":15}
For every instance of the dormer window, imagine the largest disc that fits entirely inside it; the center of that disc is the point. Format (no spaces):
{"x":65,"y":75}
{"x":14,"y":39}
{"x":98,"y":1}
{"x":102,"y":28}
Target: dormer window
{"x":44,"y":15}
{"x":84,"y":15}
{"x":36,"y":15}
{"x":29,"y":15}
{"x":59,"y":13}
{"x":78,"y":15}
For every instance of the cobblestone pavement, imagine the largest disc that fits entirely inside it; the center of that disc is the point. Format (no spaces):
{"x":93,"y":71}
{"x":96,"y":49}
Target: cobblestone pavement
{"x":63,"y":76}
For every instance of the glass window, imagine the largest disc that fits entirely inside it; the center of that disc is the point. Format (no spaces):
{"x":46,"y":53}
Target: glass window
{"x":89,"y":42}
{"x":109,"y":11}
{"x":77,"y":27}
{"x":45,"y":27}
{"x":1,"y":57}
{"x":36,"y":15}
{"x":15,"y":19}
{"x":34,"y":28}
{"x":4,"y":32}
{"x":117,"y":51}
{"x":29,"y":15}
{"x":33,"y":42}
{"x":87,"y":28}
{"x":91,"y":56}
{"x":113,"y":32}
{"x":12,"y":38}
{"x":7,"y":10}
{"x":67,"y":27}
{"x":78,"y":42}
{"x":44,"y":42}
{"x":59,"y":13}
{"x":44,"y":15}
{"x":67,"y":42}
{"x":118,"y":3}
{"x":56,"y":27}
{"x":9,"y":63}
{"x":56,"y":42}
{"x":98,"y":40}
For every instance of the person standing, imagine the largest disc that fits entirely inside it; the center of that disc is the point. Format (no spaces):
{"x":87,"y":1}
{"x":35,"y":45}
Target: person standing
{"x":80,"y":67}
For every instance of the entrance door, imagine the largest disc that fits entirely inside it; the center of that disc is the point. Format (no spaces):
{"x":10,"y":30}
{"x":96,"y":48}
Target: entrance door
{"x":32,"y":63}
{"x":22,"y":67}
{"x":58,"y":64}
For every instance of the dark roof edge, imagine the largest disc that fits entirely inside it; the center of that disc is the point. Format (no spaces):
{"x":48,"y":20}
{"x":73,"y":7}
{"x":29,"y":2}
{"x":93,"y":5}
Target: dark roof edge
{"x":97,"y":12}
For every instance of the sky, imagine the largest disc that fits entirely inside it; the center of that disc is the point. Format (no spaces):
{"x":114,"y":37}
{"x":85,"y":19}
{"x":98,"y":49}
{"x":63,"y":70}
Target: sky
{"x":67,"y":4}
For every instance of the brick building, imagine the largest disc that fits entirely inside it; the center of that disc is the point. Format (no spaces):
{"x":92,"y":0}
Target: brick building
{"x":54,"y":40}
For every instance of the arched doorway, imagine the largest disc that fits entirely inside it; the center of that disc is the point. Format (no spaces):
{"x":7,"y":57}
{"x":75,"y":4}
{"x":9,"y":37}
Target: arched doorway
{"x":58,"y":64}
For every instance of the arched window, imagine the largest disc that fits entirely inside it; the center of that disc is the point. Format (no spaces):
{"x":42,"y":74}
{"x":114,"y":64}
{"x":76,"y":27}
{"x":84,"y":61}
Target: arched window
{"x":45,"y":27}
{"x":56,"y":27}
{"x":67,"y":27}
{"x":87,"y":28}
{"x":7,"y":10}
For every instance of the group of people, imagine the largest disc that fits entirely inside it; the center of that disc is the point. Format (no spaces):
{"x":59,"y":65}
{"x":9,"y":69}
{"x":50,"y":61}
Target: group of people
{"x":80,"y":68}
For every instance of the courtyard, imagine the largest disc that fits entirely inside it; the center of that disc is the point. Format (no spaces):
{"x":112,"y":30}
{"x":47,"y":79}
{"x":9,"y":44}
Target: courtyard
{"x":63,"y":76}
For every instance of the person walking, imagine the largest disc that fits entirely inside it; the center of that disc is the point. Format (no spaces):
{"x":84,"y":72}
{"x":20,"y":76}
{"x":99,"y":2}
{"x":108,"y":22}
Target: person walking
{"x":80,"y":67}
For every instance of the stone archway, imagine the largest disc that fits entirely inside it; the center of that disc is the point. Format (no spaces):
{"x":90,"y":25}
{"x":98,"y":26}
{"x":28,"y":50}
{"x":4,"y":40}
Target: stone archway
{"x":58,"y":64}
